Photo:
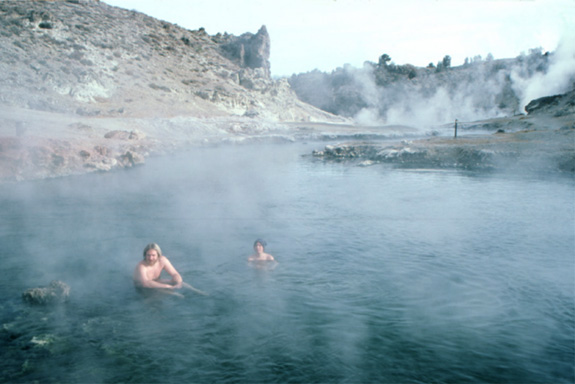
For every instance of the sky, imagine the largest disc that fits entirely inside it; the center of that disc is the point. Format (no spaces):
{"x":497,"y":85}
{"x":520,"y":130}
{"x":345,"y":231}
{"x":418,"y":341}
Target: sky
{"x":326,"y":34}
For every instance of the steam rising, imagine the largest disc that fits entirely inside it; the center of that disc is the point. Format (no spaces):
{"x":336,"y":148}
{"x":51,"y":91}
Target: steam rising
{"x":386,"y":93}
{"x":559,"y":78}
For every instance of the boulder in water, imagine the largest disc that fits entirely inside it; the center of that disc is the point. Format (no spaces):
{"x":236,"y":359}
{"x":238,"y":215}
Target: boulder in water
{"x":56,"y":292}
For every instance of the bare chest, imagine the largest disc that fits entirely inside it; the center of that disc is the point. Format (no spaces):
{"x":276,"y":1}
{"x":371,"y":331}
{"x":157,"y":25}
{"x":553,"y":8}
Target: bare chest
{"x":153,"y":272}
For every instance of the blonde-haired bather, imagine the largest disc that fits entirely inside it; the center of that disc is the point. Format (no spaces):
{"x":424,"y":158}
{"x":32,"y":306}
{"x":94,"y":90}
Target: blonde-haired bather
{"x":148,"y":271}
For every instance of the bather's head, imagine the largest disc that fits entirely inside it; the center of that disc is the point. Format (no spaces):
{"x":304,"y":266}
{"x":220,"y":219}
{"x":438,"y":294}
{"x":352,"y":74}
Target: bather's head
{"x":152,"y":246}
{"x":260,"y":242}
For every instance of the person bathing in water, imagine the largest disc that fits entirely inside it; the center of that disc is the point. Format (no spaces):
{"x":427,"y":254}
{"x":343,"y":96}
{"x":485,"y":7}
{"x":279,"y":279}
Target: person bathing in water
{"x":260,"y":255}
{"x":148,"y":271}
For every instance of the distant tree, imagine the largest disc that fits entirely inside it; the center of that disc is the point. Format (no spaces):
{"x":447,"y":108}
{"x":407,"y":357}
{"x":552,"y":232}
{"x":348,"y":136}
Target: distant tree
{"x":446,"y":62}
{"x":466,"y":62}
{"x":410,"y":70}
{"x":430,"y":65}
{"x":536,"y":51}
{"x":489,"y":57}
{"x":384,"y":59}
{"x":439,"y":66}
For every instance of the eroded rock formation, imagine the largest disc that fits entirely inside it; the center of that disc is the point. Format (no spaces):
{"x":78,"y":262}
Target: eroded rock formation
{"x":248,"y":50}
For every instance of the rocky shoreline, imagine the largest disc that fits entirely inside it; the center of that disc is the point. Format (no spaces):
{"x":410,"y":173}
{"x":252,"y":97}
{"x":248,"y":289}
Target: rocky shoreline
{"x":38,"y":145}
{"x":542,"y":141}
{"x":526,"y":143}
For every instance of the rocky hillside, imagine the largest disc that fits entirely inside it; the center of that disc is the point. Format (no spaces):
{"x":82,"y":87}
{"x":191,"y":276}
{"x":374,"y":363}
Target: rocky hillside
{"x":87,"y":87}
{"x":88,"y":58}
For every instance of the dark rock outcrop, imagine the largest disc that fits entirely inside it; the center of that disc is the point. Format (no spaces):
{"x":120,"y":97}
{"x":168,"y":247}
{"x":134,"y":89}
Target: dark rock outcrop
{"x":55,"y":293}
{"x":557,"y":105}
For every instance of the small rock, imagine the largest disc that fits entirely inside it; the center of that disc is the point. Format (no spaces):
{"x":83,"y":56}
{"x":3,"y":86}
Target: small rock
{"x":130,"y":159}
{"x":125,"y":135}
{"x":56,"y":292}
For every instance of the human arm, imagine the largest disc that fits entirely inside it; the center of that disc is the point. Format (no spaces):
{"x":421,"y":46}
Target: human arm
{"x":176,"y":278}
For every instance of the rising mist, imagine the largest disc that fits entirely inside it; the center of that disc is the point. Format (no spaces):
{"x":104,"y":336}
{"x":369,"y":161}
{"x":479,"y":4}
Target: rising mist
{"x":386,"y":93}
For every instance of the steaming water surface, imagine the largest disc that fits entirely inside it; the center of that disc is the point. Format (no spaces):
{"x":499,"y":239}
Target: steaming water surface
{"x":384,"y":275}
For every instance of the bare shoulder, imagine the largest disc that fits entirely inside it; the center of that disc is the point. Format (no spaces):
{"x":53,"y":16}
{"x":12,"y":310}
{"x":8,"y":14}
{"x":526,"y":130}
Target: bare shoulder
{"x":264,"y":257}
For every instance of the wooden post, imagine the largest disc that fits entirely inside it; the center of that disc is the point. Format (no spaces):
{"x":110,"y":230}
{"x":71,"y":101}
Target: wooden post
{"x":455,"y":136}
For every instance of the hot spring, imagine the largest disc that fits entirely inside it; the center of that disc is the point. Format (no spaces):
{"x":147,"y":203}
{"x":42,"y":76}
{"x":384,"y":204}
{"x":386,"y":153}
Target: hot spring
{"x":384,"y":275}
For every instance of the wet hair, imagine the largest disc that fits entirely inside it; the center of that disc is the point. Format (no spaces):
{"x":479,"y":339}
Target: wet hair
{"x":153,"y":246}
{"x":261,"y":241}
